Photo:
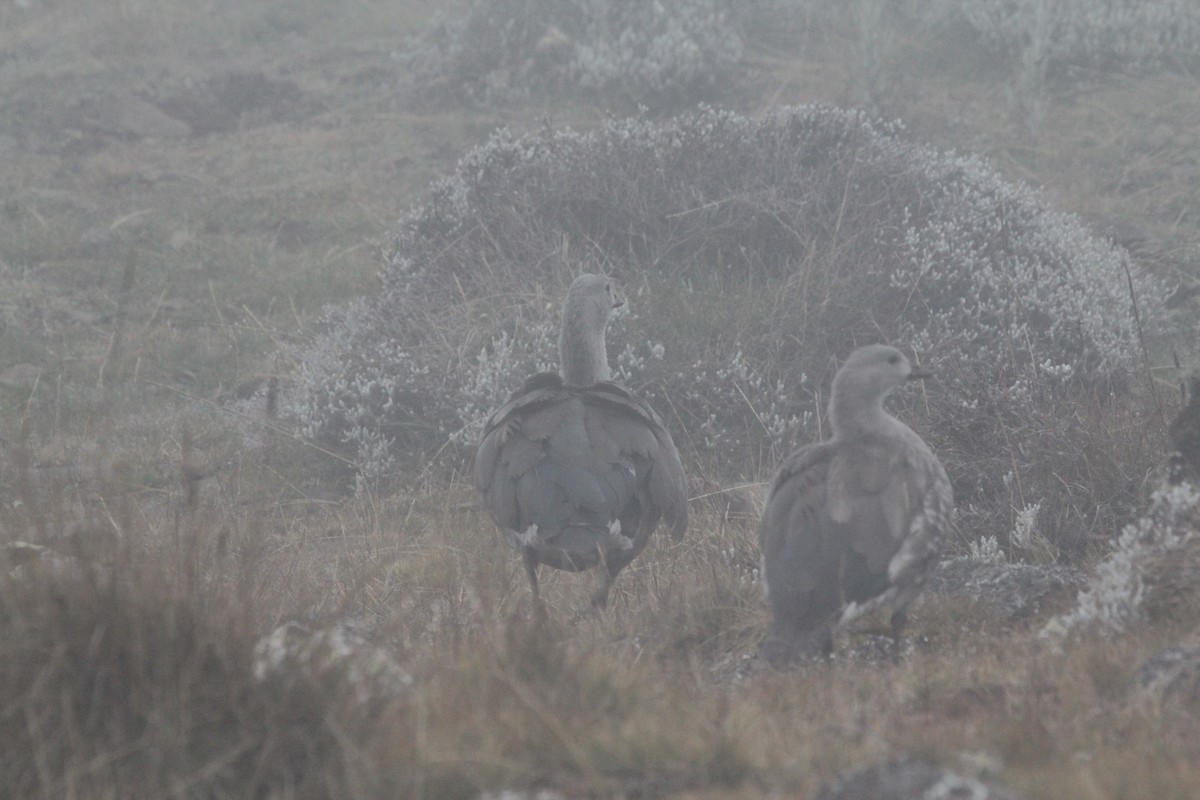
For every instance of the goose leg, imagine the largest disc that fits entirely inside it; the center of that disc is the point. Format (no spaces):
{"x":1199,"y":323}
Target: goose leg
{"x":531,"y":564}
{"x":898,"y":621}
{"x":788,"y":646}
{"x":604,"y":580}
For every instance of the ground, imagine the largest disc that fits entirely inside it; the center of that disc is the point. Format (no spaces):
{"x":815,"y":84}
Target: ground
{"x":186,"y":185}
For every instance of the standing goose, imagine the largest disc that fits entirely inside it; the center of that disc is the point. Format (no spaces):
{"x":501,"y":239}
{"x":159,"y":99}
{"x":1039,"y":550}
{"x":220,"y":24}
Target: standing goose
{"x":576,"y":471}
{"x":853,"y":523}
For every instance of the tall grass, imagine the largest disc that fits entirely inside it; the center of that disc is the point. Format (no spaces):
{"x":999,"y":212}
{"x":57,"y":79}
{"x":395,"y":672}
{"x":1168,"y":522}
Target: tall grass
{"x":153,"y":543}
{"x":139,"y":667}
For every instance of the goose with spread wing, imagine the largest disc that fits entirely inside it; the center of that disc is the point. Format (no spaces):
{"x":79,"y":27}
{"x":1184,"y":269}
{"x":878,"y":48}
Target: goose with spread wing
{"x":854,"y":523}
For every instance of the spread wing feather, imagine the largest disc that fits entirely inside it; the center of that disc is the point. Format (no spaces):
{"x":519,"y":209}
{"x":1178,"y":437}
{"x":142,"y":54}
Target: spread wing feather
{"x":537,"y":424}
{"x":874,"y":492}
{"x":795,"y":523}
{"x":846,"y":521}
{"x":637,"y":429}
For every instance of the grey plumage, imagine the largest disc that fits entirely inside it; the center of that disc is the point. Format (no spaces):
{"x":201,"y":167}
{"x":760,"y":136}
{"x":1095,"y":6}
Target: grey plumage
{"x":854,"y":523}
{"x":576,"y":471}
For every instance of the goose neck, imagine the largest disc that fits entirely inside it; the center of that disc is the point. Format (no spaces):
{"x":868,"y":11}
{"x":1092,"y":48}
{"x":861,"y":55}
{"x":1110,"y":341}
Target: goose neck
{"x":851,"y":414}
{"x":583,"y":357}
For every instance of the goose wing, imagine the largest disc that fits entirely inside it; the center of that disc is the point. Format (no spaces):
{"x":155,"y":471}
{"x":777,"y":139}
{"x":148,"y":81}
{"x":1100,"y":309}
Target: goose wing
{"x":796,"y":536}
{"x":573,"y":460}
{"x":893,"y":500}
{"x":627,"y":427}
{"x":844,"y":522}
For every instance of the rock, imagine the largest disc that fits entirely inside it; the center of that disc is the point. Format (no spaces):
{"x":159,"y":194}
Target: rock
{"x":337,"y":657}
{"x":1171,"y":675}
{"x":904,"y":778}
{"x":1014,"y":591}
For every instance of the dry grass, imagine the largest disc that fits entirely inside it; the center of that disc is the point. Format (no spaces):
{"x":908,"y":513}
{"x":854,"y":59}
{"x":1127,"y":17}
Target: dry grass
{"x":129,"y":672}
{"x":145,"y":284}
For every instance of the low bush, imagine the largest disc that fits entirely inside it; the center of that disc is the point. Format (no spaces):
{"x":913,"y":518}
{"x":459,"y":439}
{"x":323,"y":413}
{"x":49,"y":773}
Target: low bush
{"x":755,"y":253}
{"x":1151,"y":574}
{"x":497,"y":51}
{"x":1137,"y":34}
{"x":177,"y":658}
{"x":132,"y":680}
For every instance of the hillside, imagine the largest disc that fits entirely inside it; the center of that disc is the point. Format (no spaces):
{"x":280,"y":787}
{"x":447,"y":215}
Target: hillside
{"x":188,"y":186}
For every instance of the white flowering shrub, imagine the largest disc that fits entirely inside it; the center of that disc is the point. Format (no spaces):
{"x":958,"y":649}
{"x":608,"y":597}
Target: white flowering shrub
{"x":1123,"y":589}
{"x":362,"y":391}
{"x":1140,"y":34}
{"x":500,"y":50}
{"x":1024,"y":533}
{"x":499,"y":368}
{"x":987,"y":551}
{"x":728,"y":401}
{"x":756,"y":253}
{"x":335,"y":658}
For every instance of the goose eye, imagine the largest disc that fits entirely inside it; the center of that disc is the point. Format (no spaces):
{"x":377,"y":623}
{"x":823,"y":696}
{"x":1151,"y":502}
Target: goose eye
{"x":893,"y":359}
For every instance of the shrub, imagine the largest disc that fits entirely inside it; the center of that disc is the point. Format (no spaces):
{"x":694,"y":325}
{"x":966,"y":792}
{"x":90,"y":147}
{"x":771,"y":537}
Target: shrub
{"x":1152,"y":571}
{"x":501,"y":50}
{"x":1141,"y":34}
{"x":756,"y":252}
{"x":132,"y":680}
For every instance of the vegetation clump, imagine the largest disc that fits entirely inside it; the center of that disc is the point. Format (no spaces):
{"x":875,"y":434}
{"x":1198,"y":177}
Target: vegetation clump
{"x":134,"y":677}
{"x":1138,"y":34}
{"x":756,"y":253}
{"x":1151,"y":571}
{"x":188,"y":611}
{"x":496,"y":51}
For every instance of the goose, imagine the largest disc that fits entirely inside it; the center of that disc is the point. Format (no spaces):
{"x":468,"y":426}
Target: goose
{"x":576,"y":471}
{"x":854,"y":523}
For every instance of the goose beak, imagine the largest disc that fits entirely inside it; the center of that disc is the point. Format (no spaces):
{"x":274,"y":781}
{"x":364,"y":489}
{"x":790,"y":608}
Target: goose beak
{"x":618,"y":302}
{"x":918,"y":374}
